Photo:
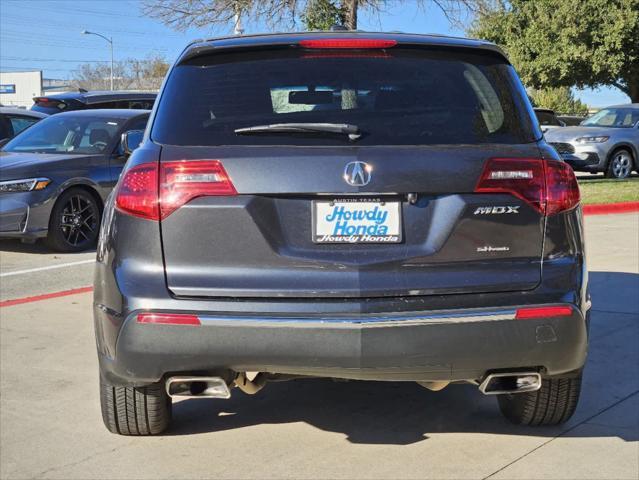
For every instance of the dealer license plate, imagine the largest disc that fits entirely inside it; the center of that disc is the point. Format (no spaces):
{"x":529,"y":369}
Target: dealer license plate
{"x":357,"y":221}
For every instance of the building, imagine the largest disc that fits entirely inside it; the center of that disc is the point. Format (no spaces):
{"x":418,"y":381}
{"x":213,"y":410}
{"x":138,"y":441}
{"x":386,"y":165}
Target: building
{"x":17,"y":89}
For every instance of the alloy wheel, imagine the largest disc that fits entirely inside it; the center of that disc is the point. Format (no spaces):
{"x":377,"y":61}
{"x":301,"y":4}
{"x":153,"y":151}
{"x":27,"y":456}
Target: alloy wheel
{"x":621,"y":164}
{"x":79,"y":220}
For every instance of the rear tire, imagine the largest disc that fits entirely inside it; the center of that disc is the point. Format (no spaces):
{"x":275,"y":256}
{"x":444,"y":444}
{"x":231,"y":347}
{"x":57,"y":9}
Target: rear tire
{"x":554,"y":403}
{"x":135,"y":410}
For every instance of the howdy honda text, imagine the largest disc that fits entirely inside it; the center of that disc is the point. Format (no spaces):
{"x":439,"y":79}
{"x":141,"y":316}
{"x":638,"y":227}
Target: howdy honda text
{"x":362,"y":221}
{"x":341,"y":216}
{"x":357,"y":239}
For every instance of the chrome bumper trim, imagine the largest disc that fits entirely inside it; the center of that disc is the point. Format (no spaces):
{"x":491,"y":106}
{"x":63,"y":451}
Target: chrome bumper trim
{"x":449,"y":317}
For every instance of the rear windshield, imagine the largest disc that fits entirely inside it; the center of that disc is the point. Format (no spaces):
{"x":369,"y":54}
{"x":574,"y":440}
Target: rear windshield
{"x":403,"y":96}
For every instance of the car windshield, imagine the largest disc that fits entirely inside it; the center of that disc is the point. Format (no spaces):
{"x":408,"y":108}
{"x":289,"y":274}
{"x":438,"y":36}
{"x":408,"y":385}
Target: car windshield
{"x":405,"y":97}
{"x":75,"y":134}
{"x":613,"y":117}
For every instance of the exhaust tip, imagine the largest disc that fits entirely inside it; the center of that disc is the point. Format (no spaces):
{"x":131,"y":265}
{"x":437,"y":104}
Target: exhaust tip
{"x":189,"y":387}
{"x":510,"y":382}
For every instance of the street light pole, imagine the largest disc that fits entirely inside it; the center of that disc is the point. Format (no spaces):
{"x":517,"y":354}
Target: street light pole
{"x":110,"y":40}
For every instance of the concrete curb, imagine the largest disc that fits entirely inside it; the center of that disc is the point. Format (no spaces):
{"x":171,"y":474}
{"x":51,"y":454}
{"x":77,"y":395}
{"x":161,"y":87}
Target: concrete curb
{"x":608,"y":208}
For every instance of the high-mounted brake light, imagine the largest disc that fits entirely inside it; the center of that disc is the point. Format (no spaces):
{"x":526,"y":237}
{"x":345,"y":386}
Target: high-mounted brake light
{"x":155,"y":191}
{"x":543,"y":312}
{"x":547,"y":185}
{"x":353,"y":43}
{"x":168,"y":319}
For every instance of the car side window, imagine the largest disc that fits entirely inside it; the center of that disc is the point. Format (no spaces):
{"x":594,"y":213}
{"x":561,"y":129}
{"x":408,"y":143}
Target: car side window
{"x":109,"y":105}
{"x":141,"y":104}
{"x":19,"y":123}
{"x":97,"y":135}
{"x":6,"y":129}
{"x":139,"y":124}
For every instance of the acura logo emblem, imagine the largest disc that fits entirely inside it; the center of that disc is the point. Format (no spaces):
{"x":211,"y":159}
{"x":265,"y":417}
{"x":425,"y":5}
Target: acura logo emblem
{"x":357,"y":174}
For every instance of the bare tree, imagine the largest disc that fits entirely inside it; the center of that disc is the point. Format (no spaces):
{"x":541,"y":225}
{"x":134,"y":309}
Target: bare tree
{"x":219,"y":14}
{"x":222,"y":15}
{"x":130,"y":74}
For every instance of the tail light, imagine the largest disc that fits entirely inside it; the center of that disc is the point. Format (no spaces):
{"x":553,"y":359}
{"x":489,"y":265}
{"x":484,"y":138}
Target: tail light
{"x":182,"y":181}
{"x":168,"y":319}
{"x":49,"y":103}
{"x":547,"y":185}
{"x":138,"y":192}
{"x":352,"y":43}
{"x":562,"y":189}
{"x":543,"y":312}
{"x":154,"y":191}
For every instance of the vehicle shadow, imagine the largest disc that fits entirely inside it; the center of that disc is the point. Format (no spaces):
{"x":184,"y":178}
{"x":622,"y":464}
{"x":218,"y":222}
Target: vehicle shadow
{"x":39,"y":247}
{"x":402,"y":413}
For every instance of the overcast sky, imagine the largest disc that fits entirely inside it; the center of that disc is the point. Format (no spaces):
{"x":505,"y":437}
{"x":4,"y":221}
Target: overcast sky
{"x":45,"y":35}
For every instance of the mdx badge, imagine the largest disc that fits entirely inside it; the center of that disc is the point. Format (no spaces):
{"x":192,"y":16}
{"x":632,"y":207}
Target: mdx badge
{"x":496,"y":210}
{"x":357,"y":174}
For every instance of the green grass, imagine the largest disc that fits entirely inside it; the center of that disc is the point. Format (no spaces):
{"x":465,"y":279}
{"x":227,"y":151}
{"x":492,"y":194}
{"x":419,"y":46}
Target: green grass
{"x":609,"y":191}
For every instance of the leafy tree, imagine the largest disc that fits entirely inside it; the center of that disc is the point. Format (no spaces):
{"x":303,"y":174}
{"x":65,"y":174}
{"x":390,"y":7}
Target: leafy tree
{"x":322,"y":15}
{"x":554,"y":43}
{"x":559,"y":99}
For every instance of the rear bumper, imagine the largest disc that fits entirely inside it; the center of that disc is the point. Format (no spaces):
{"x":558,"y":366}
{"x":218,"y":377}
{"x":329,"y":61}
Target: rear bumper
{"x":424,"y":346}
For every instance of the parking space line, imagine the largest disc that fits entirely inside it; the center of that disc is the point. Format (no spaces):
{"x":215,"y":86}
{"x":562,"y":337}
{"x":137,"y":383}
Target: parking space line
{"x":45,"y":296}
{"x":49,"y":267}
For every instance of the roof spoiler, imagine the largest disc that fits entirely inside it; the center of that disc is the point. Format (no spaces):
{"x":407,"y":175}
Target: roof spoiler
{"x":296,"y":40}
{"x":50,"y":102}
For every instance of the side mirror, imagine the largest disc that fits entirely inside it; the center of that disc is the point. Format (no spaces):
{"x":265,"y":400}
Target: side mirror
{"x":131,"y":140}
{"x":562,"y":123}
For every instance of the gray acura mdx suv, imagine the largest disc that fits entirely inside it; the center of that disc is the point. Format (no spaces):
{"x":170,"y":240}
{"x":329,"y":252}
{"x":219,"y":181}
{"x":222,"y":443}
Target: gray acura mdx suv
{"x":351,"y":205}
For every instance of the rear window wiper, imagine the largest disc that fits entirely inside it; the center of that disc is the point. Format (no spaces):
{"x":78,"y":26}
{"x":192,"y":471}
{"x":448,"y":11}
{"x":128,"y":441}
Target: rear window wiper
{"x":340,"y":128}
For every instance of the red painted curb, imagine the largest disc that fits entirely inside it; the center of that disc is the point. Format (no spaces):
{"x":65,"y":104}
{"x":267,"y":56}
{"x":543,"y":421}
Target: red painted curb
{"x":45,"y":296}
{"x":606,"y":208}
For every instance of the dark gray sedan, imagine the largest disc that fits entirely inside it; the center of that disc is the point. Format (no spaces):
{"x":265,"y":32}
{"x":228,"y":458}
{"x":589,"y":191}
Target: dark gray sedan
{"x":55,"y":176}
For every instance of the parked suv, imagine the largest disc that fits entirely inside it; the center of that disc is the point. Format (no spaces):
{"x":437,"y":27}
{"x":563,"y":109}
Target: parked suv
{"x":83,"y":100}
{"x":351,"y":205}
{"x":606,"y":142}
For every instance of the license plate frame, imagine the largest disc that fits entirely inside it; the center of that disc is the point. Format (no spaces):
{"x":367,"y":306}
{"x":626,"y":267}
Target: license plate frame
{"x":393,"y":221}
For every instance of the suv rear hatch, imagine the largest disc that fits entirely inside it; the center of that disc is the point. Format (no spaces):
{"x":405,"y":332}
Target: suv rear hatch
{"x":405,"y":137}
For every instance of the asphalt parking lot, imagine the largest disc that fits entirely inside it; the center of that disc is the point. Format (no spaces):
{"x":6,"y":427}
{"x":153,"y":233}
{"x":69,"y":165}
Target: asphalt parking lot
{"x":50,"y":425}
